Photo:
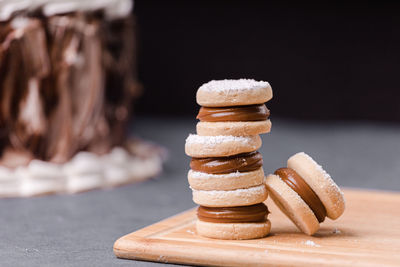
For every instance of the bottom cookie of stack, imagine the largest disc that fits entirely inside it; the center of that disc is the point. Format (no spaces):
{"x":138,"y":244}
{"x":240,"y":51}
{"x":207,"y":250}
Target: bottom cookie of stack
{"x":230,"y":214}
{"x":245,"y":222}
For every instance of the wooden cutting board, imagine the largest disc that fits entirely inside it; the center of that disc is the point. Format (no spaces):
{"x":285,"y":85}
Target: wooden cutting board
{"x":367,"y":234}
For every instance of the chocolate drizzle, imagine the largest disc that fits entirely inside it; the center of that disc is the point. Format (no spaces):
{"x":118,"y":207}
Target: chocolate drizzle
{"x":66,"y":84}
{"x":244,"y":214}
{"x":238,"y":163}
{"x":294,"y":181}
{"x":240,"y":113}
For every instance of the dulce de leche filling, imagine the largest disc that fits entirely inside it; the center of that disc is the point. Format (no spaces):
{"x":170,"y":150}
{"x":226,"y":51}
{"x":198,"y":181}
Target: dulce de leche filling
{"x":245,"y":214}
{"x":239,"y":113}
{"x":294,"y":181}
{"x":245,"y":162}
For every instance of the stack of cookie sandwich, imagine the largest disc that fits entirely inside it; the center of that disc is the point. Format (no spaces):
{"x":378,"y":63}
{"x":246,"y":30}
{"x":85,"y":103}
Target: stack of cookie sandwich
{"x":226,"y":173}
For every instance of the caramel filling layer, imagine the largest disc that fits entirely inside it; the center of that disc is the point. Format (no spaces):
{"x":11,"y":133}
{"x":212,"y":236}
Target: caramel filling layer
{"x":242,"y":163}
{"x":294,"y":181}
{"x":245,"y":214}
{"x":239,"y":113}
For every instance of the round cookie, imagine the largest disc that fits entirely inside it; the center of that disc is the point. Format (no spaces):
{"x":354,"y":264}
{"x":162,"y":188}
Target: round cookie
{"x":230,"y":198}
{"x":235,"y":128}
{"x":321,"y":183}
{"x":225,"y":93}
{"x":228,"y":181}
{"x":233,"y":231}
{"x":290,"y":203}
{"x":220,"y":146}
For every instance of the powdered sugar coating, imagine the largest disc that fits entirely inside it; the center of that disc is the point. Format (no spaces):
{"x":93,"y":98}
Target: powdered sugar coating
{"x":319,"y":167}
{"x":220,"y":146}
{"x":6,"y":174}
{"x":225,"y":181}
{"x":260,"y":189}
{"x":9,"y":186}
{"x":233,"y":85}
{"x":230,"y":198}
{"x":225,"y":93}
{"x":42,"y":170}
{"x":321,"y":183}
{"x":83,"y":172}
{"x":332,"y":185}
{"x":203,"y":175}
{"x":214,"y":140}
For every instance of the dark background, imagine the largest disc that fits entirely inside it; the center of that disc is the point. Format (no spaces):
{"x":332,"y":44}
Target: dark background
{"x":324,"y":61}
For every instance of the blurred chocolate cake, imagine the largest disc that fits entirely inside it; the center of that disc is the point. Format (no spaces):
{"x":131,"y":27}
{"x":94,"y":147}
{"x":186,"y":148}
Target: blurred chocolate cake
{"x":67,"y":81}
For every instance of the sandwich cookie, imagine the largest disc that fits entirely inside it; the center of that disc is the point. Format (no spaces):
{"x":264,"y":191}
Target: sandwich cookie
{"x":226,"y":173}
{"x":246,"y":222}
{"x":220,"y":146}
{"x":305,"y":193}
{"x":237,"y":121}
{"x":233,"y":107}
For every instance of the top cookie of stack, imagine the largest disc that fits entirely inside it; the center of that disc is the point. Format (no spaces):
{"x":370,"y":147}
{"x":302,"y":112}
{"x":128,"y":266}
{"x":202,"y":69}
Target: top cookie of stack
{"x":233,"y":107}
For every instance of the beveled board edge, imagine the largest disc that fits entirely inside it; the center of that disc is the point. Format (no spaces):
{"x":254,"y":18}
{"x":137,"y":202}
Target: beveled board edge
{"x":144,"y":245}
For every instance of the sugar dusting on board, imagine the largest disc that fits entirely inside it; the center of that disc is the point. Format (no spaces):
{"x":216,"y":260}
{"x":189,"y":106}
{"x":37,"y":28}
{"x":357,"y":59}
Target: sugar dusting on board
{"x":228,"y":85}
{"x":311,"y":243}
{"x":190,"y":232}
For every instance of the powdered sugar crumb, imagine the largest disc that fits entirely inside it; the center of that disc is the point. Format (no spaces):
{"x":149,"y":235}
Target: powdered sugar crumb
{"x":162,"y":258}
{"x":190,"y":232}
{"x":311,"y":243}
{"x":230,"y":85}
{"x":213,"y":140}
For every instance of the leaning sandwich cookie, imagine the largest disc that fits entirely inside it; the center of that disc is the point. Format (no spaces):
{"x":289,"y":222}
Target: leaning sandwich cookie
{"x":305,"y":193}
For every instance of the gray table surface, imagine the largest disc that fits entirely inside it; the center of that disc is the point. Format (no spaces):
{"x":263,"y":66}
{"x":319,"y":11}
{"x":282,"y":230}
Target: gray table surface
{"x":80,"y":230}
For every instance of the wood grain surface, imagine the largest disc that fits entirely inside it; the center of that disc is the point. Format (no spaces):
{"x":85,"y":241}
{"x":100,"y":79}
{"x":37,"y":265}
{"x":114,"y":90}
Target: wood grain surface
{"x":367,"y":234}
